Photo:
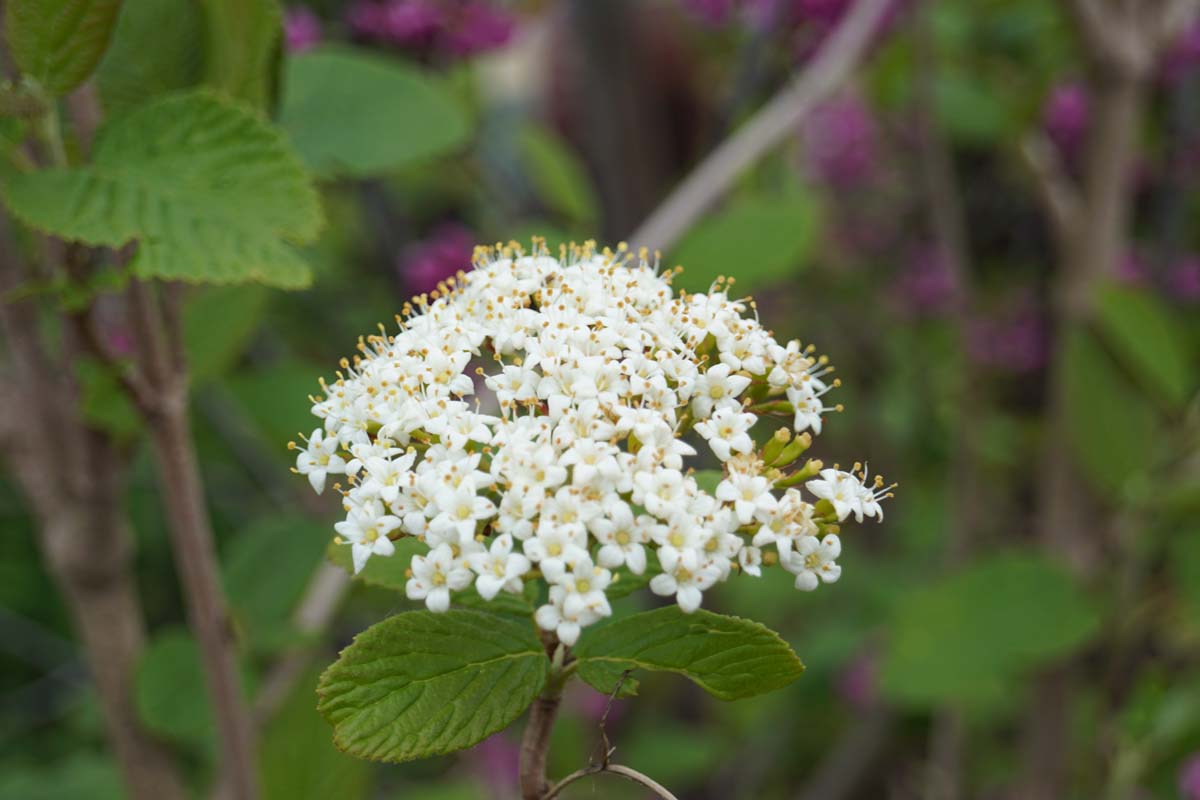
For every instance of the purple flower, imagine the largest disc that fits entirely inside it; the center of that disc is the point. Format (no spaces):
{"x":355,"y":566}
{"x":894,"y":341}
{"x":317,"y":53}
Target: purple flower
{"x":1184,"y":55}
{"x":447,"y":251}
{"x":495,"y":761}
{"x":301,"y":29}
{"x":711,"y":12}
{"x":927,"y":287}
{"x":406,"y":23}
{"x":1183,"y":279}
{"x":1133,"y":270}
{"x":1065,"y":118}
{"x":449,"y":28}
{"x":1015,"y":340}
{"x":825,"y":12}
{"x":857,"y":683}
{"x":841,"y":139}
{"x":592,"y":704}
{"x":476,"y":28}
{"x":1189,"y":778}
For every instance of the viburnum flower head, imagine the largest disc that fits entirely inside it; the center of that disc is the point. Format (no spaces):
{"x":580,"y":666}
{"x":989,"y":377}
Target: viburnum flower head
{"x":541,"y":420}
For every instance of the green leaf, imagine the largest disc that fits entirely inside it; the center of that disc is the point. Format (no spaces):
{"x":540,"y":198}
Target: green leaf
{"x":1185,"y":567}
{"x":970,"y":636}
{"x":708,"y":479}
{"x":211,"y":192}
{"x":103,"y":401}
{"x":263,"y":599}
{"x":77,"y":775}
{"x":297,"y":759}
{"x":59,"y":42}
{"x":557,"y":175}
{"x":170,"y":691}
{"x":1110,"y":425}
{"x":625,"y":582}
{"x":218,"y":324}
{"x":972,"y":110}
{"x":156,"y":49}
{"x":1140,"y":330}
{"x":351,"y":113}
{"x":243,"y":48}
{"x":758,"y":241}
{"x":728,"y":657}
{"x":421,"y":684}
{"x":607,"y":677}
{"x":503,"y":603}
{"x":275,"y":398}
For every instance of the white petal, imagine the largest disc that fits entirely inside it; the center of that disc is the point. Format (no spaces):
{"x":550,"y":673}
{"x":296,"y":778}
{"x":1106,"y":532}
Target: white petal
{"x":568,"y":633}
{"x":689,"y":598}
{"x":438,"y":600}
{"x":360,"y":553}
{"x":806,"y":581}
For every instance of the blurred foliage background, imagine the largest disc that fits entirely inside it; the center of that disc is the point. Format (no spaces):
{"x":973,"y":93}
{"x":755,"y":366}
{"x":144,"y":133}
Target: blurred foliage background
{"x":899,"y":229}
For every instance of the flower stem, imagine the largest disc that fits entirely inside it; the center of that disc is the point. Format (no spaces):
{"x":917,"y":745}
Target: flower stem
{"x":535,"y":743}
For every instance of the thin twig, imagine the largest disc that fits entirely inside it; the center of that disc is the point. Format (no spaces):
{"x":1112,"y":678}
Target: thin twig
{"x":608,"y":748}
{"x":627,"y":773}
{"x":1059,"y":195}
{"x":767,"y":128}
{"x":192,"y":538}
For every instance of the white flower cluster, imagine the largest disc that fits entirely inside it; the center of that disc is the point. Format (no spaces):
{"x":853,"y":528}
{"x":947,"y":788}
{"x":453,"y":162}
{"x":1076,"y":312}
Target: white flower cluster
{"x":535,"y":418}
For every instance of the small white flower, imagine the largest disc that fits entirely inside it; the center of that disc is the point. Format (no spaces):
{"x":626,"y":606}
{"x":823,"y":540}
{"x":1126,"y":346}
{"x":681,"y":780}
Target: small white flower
{"x":319,"y":459}
{"x":791,"y":521}
{"x":461,"y":511}
{"x":716,"y":386}
{"x":806,"y":399}
{"x":434,"y":576}
{"x":621,"y":540}
{"x":367,"y":528}
{"x":727,"y":431}
{"x":554,"y":617}
{"x":498,"y":568}
{"x":555,"y":549}
{"x":687,"y":581}
{"x":750,"y":495}
{"x":813,"y":561}
{"x":843,"y":491}
{"x":750,"y":560}
{"x":583,"y":588}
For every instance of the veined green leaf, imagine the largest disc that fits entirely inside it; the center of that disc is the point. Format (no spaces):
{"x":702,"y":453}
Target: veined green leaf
{"x":210,"y":192}
{"x":59,"y":42}
{"x":421,"y":684}
{"x":728,"y":657}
